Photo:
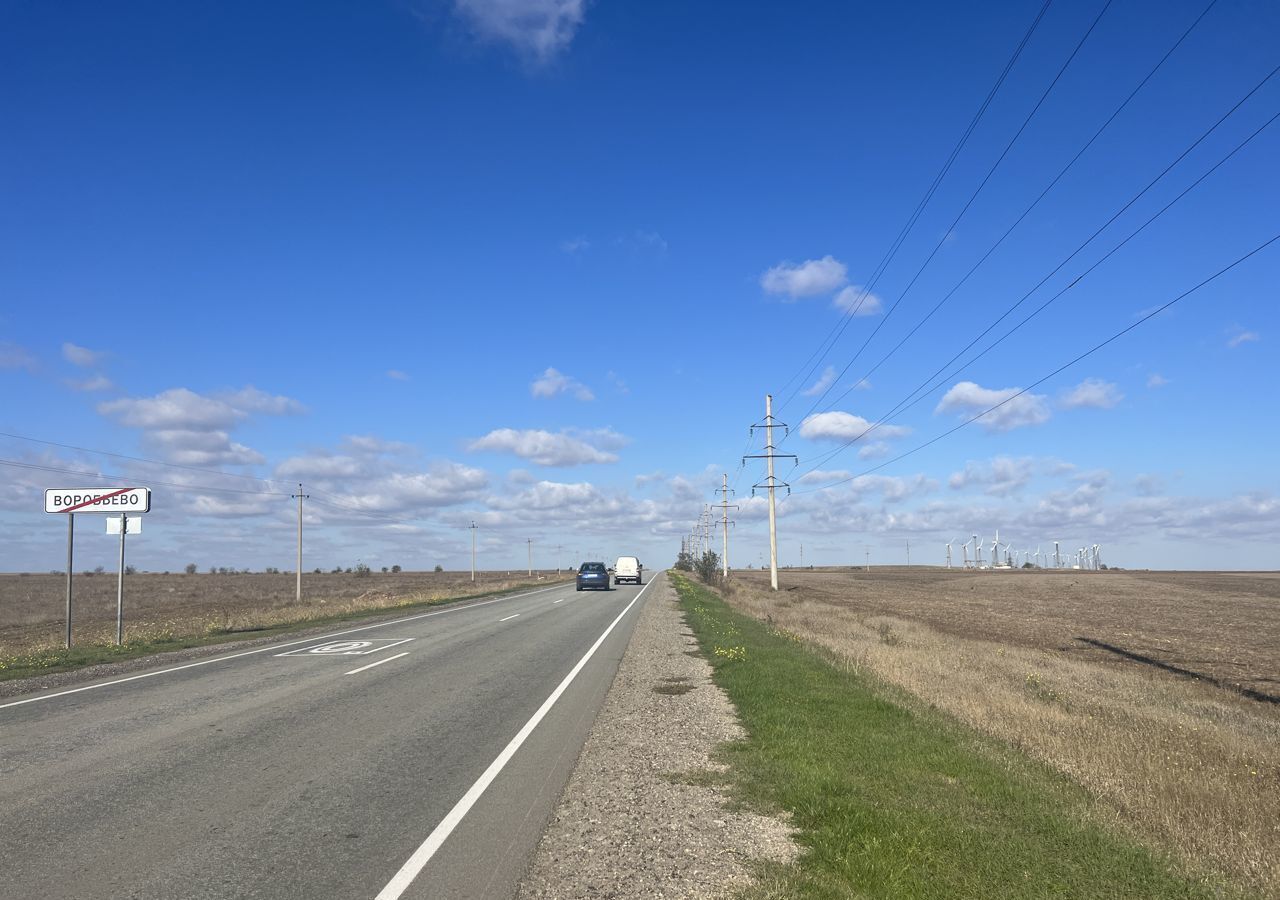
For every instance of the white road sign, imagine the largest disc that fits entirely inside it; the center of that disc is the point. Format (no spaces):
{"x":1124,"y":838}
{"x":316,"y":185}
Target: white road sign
{"x":98,"y":500}
{"x":113,"y":525}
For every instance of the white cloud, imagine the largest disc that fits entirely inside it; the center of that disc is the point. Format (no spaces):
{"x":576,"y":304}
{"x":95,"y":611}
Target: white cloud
{"x":807,"y":279}
{"x":80,"y":356}
{"x":858,"y":300}
{"x":1156,"y":380}
{"x":825,"y":476}
{"x":552,"y":382}
{"x":251,"y":400}
{"x":1094,"y":393}
{"x":202,"y":448}
{"x":193,"y":429}
{"x":843,"y":426}
{"x":825,"y":380}
{"x":618,"y":384}
{"x":874,"y":450}
{"x":575,"y":245}
{"x":1146,"y":485}
{"x":1016,"y":410}
{"x":173,"y":409}
{"x":94,"y":383}
{"x":1000,"y":477}
{"x":12,"y":356}
{"x":377,"y":476}
{"x":1243,"y":337}
{"x":544,"y":448}
{"x":650,"y":478}
{"x":397,"y":375}
{"x":539,"y":29}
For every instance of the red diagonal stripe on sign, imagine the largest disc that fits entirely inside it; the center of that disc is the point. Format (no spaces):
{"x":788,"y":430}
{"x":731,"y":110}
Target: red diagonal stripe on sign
{"x":98,"y":499}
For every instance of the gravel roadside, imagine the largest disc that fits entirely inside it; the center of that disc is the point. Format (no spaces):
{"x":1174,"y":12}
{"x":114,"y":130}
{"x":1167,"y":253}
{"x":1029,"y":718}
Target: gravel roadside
{"x":627,"y":825}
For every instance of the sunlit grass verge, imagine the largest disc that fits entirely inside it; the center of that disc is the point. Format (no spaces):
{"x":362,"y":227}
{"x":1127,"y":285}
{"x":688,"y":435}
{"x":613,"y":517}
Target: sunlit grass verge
{"x":97,"y":646}
{"x":889,"y":800}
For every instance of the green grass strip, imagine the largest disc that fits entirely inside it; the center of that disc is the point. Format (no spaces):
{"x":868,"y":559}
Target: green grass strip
{"x":891,"y":800}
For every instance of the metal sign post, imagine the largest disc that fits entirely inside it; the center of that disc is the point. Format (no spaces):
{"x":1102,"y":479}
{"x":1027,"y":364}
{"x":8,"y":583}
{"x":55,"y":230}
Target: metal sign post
{"x":122,"y":525}
{"x":71,"y":537}
{"x":124,"y":529}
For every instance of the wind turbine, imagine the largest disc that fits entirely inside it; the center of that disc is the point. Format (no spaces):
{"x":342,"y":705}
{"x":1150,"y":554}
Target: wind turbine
{"x":964,"y":548}
{"x":948,"y":554}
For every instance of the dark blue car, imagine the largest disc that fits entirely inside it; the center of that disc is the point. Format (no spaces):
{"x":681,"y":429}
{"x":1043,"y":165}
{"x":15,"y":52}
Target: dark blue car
{"x":593,"y":575}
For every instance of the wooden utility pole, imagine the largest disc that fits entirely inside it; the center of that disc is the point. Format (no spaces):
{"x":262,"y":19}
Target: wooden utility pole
{"x":530,"y":543}
{"x":771,"y":483}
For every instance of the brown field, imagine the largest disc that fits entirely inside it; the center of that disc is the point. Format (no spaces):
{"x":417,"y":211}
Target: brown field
{"x":33,"y":607}
{"x":1159,"y":692}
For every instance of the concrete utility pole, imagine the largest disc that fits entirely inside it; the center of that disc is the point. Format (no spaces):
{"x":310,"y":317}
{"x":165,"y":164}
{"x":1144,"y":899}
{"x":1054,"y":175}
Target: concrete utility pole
{"x":908,"y":551}
{"x":473,"y":526}
{"x":530,"y":543}
{"x":724,"y":507}
{"x":559,"y":547}
{"x":802,"y":556}
{"x":770,"y":454}
{"x":300,"y":497}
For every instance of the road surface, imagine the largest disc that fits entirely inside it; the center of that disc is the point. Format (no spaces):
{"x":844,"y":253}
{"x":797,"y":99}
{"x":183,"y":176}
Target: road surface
{"x":419,"y":757}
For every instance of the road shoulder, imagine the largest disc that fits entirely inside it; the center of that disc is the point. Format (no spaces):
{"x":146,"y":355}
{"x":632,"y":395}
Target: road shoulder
{"x":629,"y":823}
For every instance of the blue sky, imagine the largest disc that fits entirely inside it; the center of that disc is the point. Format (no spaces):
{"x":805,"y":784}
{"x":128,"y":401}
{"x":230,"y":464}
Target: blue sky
{"x":536,"y":263}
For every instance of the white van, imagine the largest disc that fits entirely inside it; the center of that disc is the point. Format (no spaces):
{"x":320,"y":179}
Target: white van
{"x":627,"y":568}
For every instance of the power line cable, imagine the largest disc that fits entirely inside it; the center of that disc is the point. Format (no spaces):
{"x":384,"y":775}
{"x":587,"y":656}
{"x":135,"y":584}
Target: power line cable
{"x":973,"y":197}
{"x":1060,"y":369}
{"x":907,"y":402}
{"x":154,"y":462}
{"x":169,"y":484}
{"x":889,"y":255}
{"x":1026,"y":212}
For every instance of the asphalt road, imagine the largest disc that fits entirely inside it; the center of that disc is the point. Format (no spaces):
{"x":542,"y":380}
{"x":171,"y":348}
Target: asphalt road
{"x":324,"y":768}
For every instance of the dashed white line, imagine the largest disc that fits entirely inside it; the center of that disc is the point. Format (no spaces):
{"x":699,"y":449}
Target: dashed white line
{"x":409,"y":871}
{"x":509,"y":618}
{"x":561,"y":600}
{"x":378,"y":663}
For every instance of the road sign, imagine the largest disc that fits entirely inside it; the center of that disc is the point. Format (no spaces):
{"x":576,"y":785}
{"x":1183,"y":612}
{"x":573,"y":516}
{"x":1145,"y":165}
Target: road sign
{"x":113,"y":525}
{"x":98,"y":500}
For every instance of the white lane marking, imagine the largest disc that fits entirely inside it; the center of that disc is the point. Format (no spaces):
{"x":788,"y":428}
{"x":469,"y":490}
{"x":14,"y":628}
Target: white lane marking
{"x":509,"y":618}
{"x":217,"y":659}
{"x":348,"y":648}
{"x":378,"y":663}
{"x":561,"y":600}
{"x":409,"y":871}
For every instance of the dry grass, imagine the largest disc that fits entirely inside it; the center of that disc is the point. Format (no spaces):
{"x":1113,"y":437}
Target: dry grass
{"x":1186,"y":763}
{"x":165,"y":607}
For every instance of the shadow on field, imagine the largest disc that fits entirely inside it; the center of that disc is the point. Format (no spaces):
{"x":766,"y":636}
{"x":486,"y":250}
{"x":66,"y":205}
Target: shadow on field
{"x":1178,"y":670}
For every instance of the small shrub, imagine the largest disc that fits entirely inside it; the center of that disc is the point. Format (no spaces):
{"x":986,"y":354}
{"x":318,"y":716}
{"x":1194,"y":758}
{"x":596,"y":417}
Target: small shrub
{"x":395,"y":570}
{"x":191,"y":568}
{"x":438,"y":568}
{"x":361,"y":570}
{"x":707,"y":567}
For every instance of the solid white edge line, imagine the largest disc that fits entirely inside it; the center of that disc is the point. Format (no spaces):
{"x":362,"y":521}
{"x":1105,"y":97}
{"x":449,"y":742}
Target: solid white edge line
{"x":509,"y":618}
{"x":217,"y":659}
{"x":414,"y":865}
{"x":378,"y":663}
